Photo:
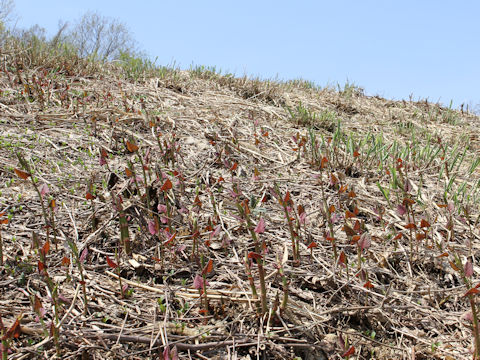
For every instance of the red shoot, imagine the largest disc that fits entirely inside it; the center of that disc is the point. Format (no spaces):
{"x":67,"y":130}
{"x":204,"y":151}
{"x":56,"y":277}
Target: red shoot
{"x":167,"y":185}
{"x":131,"y":147}
{"x":111,"y":263}
{"x":254,"y":255}
{"x":208,"y":268}
{"x":22,"y":174}
{"x":349,"y":352}
{"x":260,"y":228}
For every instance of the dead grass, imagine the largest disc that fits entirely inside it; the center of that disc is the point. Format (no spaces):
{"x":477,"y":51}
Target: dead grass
{"x":59,"y":118}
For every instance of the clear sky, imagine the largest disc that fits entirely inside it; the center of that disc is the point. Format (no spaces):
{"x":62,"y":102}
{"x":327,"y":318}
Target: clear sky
{"x":425,"y":48}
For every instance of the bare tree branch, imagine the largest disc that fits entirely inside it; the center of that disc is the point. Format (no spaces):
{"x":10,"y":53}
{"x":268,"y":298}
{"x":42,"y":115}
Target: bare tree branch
{"x":6,"y":11}
{"x":101,"y":37}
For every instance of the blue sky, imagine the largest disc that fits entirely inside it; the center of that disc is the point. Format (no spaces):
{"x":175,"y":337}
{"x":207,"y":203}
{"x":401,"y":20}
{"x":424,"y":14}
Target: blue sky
{"x":428,"y":49}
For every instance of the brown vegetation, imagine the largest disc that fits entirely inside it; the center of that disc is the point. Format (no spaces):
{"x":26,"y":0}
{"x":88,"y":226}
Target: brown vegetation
{"x":142,"y":207}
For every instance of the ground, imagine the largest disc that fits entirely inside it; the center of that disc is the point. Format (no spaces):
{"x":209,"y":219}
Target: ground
{"x":140,"y":214}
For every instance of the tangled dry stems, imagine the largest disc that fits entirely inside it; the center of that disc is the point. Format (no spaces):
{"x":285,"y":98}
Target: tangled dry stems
{"x":416,"y":304}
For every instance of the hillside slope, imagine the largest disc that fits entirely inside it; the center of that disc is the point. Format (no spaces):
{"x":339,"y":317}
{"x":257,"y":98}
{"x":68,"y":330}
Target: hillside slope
{"x":361,"y":212}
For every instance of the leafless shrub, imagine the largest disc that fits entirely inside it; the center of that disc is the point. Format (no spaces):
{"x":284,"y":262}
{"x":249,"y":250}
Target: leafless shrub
{"x":101,"y":37}
{"x":6,"y":11}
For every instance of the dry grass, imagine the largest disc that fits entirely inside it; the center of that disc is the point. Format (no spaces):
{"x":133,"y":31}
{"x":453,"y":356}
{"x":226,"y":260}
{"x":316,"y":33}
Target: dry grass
{"x":60,"y":117}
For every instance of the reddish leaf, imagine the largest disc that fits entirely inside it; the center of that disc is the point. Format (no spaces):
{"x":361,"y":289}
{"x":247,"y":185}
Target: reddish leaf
{"x":401,"y":210}
{"x":89,"y":196}
{"x":356,"y":211}
{"x":356,"y":154}
{"x":323,"y":163}
{"x":52,"y":204}
{"x":111,"y":263}
{"x":420,"y":236}
{"x":287,"y":197}
{"x":398,"y":236}
{"x":355,"y":238}
{"x":198,"y":282}
{"x":349,"y":214}
{"x":450,"y":207}
{"x":472,"y":291}
{"x":128,"y":172}
{"x":424,"y":224}
{"x":233,"y":167}
{"x":65,"y":261}
{"x":454,"y":267}
{"x":41,"y":266}
{"x":408,"y":201}
{"x":349,"y":352}
{"x":170,"y":239}
{"x":174,"y":353}
{"x":300,"y":209}
{"x":357,"y":227}
{"x":468,"y":269}
{"x":22,"y":174}
{"x":52,"y":329}
{"x":166,"y":353}
{"x":333,"y":179}
{"x":208,"y":268}
{"x":103,"y":153}
{"x":46,"y":248}
{"x":245,"y":205}
{"x":152,"y":227}
{"x":303,"y":217}
{"x":254,"y":255}
{"x":312,"y":245}
{"x":445,"y":254}
{"x":84,"y":254}
{"x":102,"y":161}
{"x":260,"y":228}
{"x":44,"y":189}
{"x":167,"y":185}
{"x":131,"y":147}
{"x":14,"y":331}
{"x":410,"y":226}
{"x":348,"y":230}
{"x":4,"y":221}
{"x":368,"y":285}
{"x":331,"y":209}
{"x":38,"y":307}
{"x":341,"y":341}
{"x":352,"y":194}
{"x":331,"y":239}
{"x":342,"y":259}
{"x":364,"y":242}
{"x":342,"y":189}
